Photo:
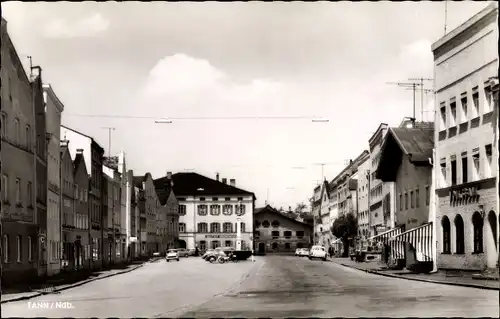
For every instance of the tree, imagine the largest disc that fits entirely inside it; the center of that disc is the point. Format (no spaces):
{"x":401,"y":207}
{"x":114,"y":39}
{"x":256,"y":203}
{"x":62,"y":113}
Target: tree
{"x":300,"y":208}
{"x":344,"y":227}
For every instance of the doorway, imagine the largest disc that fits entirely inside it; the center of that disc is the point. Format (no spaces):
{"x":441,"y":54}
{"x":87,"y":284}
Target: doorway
{"x":262,"y":248}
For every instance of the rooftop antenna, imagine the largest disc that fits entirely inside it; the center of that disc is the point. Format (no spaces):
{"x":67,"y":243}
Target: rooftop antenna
{"x":421,"y":89}
{"x":413,"y":87}
{"x":445,"y":15}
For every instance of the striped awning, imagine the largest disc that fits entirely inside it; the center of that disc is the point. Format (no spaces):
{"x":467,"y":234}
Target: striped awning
{"x":420,"y":238}
{"x":385,"y":236}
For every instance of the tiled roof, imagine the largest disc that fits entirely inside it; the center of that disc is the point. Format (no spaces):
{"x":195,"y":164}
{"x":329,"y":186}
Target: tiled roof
{"x":79,"y":160}
{"x":271,"y":210}
{"x":189,"y":184}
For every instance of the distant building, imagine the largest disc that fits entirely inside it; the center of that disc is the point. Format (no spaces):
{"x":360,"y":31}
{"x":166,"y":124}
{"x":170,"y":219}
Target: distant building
{"x":71,"y":195}
{"x":170,"y":213}
{"x":209,"y":210}
{"x":363,"y":178}
{"x":275,"y":232}
{"x":466,"y":85}
{"x":81,"y":179}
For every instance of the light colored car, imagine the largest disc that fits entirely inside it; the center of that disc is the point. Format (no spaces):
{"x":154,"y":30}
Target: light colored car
{"x":297,"y":252}
{"x":304,"y":252}
{"x":191,"y":252}
{"x":172,"y":254}
{"x":318,"y":252}
{"x":183,"y":252}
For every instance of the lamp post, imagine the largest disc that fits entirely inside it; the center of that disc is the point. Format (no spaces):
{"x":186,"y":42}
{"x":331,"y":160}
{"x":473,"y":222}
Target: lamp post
{"x":238,"y":229}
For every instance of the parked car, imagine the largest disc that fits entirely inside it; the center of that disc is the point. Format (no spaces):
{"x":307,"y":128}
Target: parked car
{"x":212,"y":256}
{"x":191,"y":252}
{"x":302,"y":252}
{"x":183,"y":252}
{"x":318,"y":252}
{"x":172,"y":254}
{"x":207,"y":253}
{"x":297,"y":251}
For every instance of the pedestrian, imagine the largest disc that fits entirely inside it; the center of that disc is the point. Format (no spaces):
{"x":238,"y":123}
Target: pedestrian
{"x":196,"y":252}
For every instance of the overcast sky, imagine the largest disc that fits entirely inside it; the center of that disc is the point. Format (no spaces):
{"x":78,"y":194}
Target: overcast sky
{"x":325,"y":60}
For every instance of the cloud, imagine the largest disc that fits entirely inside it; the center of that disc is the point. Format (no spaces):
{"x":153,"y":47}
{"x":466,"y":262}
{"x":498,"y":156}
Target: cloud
{"x":86,"y":27}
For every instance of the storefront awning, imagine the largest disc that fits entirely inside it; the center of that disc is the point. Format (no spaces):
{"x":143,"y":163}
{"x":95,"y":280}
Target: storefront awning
{"x":387,"y":234}
{"x":420,"y":231}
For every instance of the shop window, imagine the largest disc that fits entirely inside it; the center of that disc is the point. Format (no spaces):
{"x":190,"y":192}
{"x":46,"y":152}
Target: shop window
{"x":274,"y":245}
{"x":215,"y":244}
{"x":228,"y":243}
{"x":459,"y":235}
{"x":446,"y":229}
{"x":203,"y":245}
{"x":477,"y":222}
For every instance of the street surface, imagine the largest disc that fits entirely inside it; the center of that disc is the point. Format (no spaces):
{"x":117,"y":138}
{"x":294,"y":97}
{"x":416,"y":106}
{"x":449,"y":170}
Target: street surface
{"x":273,"y":286}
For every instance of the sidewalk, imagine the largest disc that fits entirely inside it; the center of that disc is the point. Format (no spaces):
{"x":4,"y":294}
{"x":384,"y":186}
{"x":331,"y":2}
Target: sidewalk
{"x":441,"y":277}
{"x":12,"y":295}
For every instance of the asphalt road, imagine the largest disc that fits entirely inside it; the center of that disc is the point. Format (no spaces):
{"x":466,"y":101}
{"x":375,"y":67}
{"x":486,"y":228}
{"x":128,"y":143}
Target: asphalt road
{"x":273,"y":286}
{"x":298,"y":287}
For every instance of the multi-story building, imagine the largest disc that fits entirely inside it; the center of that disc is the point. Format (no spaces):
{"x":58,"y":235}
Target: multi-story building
{"x":324,"y":220}
{"x":170,"y":209}
{"x":364,"y":169}
{"x":70,"y":194}
{"x":209,"y":211}
{"x":53,"y":111}
{"x":126,"y":192}
{"x":316,"y":200}
{"x":93,"y":157}
{"x":142,"y":222}
{"x":110,"y":208}
{"x":466,"y":86}
{"x":81,"y":204}
{"x":19,"y":223}
{"x":382,"y":204}
{"x":151,"y":205}
{"x":275,"y":232}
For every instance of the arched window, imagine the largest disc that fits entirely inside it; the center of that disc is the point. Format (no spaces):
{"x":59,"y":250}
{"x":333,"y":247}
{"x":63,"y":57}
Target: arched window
{"x":445,"y":224}
{"x":275,"y":223}
{"x":492,"y":219}
{"x":477,"y":222}
{"x":459,"y":238}
{"x":265,"y":224}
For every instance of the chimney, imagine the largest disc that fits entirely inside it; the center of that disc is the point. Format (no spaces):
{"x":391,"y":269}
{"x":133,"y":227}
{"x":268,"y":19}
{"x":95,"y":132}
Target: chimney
{"x":79,"y":151}
{"x":169,"y":175}
{"x":224,"y":180}
{"x":232,"y":181}
{"x":350,"y":162}
{"x":217,"y":177}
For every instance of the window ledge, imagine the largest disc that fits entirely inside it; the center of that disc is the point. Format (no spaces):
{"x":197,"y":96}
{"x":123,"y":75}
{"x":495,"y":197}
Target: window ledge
{"x":477,"y":253}
{"x":459,"y":254}
{"x":446,"y":253}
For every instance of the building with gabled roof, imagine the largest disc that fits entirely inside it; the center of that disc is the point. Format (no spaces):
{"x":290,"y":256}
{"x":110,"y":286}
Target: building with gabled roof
{"x":209,"y":210}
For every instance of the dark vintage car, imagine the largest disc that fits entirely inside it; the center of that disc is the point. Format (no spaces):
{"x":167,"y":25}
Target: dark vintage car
{"x":239,"y":254}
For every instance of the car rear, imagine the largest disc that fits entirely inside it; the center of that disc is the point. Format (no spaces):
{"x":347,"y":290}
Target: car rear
{"x":318,"y":252}
{"x":172,"y":254}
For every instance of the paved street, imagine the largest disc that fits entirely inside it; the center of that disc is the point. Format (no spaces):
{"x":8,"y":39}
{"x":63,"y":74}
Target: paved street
{"x":276,"y":286}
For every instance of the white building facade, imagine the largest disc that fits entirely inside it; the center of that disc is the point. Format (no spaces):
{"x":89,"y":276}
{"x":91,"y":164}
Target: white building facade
{"x":466,"y":135}
{"x":53,"y":111}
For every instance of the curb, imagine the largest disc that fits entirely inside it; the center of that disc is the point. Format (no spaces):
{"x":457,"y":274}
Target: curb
{"x":374,"y":272}
{"x":72,"y":285}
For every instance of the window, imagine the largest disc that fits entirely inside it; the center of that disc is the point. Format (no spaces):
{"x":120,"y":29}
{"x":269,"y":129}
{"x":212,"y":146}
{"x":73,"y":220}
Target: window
{"x":443,"y":173}
{"x":463,"y":102}
{"x":475,"y":101}
{"x":459,"y":238}
{"x":240,"y":210}
{"x":19,"y":252}
{"x":227,"y":227}
{"x":299,"y":233}
{"x":417,"y":197}
{"x":203,"y":245}
{"x":182,"y":210}
{"x":228,"y":243}
{"x":17,"y":131}
{"x":489,"y":161}
{"x":18,"y":191}
{"x":412,"y":200}
{"x":400,"y":201}
{"x":464,"y":168}
{"x":453,"y":171}
{"x":287,"y":234}
{"x":215,"y":199}
{"x":4,"y":125}
{"x":445,"y":224}
{"x":453,"y":111}
{"x":5,"y":187}
{"x":202,"y":199}
{"x":275,"y":234}
{"x":265,"y":224}
{"x":202,"y":210}
{"x":182,"y":227}
{"x":30,"y":249}
{"x":28,"y":137}
{"x":477,"y":221}
{"x":275,"y":223}
{"x":406,"y":200}
{"x":256,"y":234}
{"x":243,"y":228}
{"x":257,"y":223}
{"x":215,"y":228}
{"x":287,"y":245}
{"x":488,"y":96}
{"x":5,"y":248}
{"x":274,"y":245}
{"x":214,"y":210}
{"x":227,"y":209}
{"x":215,"y":244}
{"x":443,"y":115}
{"x":427,"y":195}
{"x":476,"y":164}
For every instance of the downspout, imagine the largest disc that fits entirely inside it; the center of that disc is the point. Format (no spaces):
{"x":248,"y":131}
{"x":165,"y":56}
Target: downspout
{"x":432,"y":211}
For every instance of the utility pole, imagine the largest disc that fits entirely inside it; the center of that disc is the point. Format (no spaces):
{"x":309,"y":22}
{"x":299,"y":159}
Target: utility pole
{"x":109,"y":138}
{"x":445,"y":15}
{"x":421,"y":89}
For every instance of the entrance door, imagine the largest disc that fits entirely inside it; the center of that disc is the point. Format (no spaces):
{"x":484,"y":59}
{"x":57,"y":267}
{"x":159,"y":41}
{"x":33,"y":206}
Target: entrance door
{"x":262,"y":247}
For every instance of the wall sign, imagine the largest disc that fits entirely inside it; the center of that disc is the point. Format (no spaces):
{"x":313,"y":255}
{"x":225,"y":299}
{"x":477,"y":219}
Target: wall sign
{"x":464,"y":193}
{"x":220,"y":236}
